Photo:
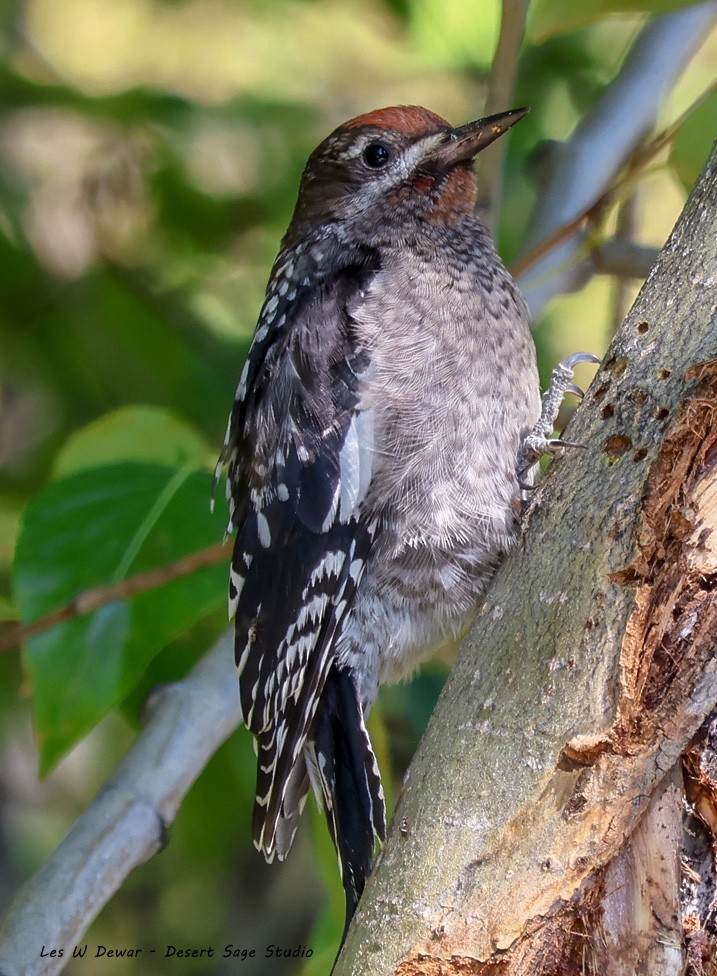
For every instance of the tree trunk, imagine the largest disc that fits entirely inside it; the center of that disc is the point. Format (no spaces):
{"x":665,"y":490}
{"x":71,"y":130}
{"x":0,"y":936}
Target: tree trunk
{"x":558,"y":816}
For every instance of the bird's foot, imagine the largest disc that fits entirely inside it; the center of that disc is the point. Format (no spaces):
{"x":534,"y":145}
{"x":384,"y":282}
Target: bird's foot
{"x":540,"y":440}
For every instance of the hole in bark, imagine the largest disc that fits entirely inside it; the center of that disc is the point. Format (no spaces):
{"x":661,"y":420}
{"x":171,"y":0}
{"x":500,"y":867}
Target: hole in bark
{"x":640,"y":454}
{"x":608,"y":411}
{"x":600,"y":392}
{"x":616,"y":365}
{"x":662,"y":413}
{"x":664,"y":374}
{"x":576,"y":802}
{"x":617,"y":445}
{"x":643,"y":327}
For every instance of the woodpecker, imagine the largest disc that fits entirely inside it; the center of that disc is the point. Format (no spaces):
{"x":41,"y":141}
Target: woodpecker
{"x":373,"y":452}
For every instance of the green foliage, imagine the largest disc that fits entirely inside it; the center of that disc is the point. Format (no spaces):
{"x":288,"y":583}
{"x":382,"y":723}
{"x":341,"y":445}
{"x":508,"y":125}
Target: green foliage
{"x":133,"y":434}
{"x":105,"y":517}
{"x":101,"y":524}
{"x":549,"y":17}
{"x":688,"y":152}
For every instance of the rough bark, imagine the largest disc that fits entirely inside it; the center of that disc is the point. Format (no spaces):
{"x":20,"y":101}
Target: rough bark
{"x":542,"y":828}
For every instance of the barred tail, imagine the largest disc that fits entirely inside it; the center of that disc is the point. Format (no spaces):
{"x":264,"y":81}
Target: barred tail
{"x":349,"y":782}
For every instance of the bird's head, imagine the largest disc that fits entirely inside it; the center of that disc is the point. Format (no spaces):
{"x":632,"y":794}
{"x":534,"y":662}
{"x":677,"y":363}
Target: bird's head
{"x":401,"y":160}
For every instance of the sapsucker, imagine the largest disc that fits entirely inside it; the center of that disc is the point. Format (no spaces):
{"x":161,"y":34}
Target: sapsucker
{"x":372,"y":455}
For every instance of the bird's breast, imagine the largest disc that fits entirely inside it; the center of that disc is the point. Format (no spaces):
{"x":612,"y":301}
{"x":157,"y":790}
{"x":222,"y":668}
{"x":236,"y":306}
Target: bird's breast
{"x":453,"y":386}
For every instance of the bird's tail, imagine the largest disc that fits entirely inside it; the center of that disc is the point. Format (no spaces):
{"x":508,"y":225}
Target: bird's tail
{"x":345,"y":776}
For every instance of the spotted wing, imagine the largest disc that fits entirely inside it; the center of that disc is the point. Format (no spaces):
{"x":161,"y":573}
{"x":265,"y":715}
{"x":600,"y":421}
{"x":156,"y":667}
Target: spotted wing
{"x":302,"y":469}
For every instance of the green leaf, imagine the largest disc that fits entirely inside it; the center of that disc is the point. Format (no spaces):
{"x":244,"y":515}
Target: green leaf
{"x":8,"y":610}
{"x":693,"y":142}
{"x":325,"y":937}
{"x":134,"y":433}
{"x":92,"y":528}
{"x":551,"y":17}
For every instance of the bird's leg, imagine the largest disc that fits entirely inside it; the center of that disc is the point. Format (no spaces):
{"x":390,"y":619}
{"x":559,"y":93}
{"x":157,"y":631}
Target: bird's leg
{"x":540,"y":440}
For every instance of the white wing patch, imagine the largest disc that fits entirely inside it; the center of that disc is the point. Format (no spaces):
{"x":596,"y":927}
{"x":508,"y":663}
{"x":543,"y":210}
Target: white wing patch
{"x":263,"y":530}
{"x":236,"y":582}
{"x":355,"y":463}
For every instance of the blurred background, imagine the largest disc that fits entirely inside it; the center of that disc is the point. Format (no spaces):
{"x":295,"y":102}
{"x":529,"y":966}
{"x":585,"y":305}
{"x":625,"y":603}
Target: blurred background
{"x":150,"y":152}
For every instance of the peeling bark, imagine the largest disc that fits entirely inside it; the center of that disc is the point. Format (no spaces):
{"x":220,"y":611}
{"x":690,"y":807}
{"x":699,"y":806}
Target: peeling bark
{"x":559,"y":815}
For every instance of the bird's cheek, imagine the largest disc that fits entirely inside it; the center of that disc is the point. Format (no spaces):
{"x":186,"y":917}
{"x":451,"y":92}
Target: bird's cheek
{"x":419,"y":189}
{"x":456,"y":196}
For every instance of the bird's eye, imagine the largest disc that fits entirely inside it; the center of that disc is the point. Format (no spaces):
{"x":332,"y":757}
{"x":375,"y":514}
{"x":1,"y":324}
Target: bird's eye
{"x":376,"y":155}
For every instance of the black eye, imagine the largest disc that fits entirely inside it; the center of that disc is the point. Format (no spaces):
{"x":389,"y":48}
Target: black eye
{"x":376,"y":155}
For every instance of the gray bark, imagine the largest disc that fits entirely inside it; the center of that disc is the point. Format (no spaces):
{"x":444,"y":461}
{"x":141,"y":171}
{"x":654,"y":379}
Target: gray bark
{"x":541,"y":825}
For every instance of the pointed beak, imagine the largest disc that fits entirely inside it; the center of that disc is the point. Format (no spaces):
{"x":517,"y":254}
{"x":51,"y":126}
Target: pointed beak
{"x":465,"y":142}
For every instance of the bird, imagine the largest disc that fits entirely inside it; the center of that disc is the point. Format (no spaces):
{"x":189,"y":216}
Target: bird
{"x":372,"y":456}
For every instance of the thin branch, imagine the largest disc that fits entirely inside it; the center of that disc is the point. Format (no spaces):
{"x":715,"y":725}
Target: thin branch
{"x":98,"y":596}
{"x":500,"y":97}
{"x":587,"y":165}
{"x":624,"y":259}
{"x":605,"y":256}
{"x":126,"y":824}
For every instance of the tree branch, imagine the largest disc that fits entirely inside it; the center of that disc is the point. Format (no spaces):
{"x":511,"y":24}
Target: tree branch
{"x":584,"y":167}
{"x":624,"y":259}
{"x":126,"y":824}
{"x":500,"y":97}
{"x":589,"y":671}
{"x":99,"y":596}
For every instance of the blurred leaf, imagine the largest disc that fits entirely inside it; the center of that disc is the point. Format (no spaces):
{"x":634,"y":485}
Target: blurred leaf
{"x":403,"y":10}
{"x":229,"y":811}
{"x":692,"y":143}
{"x":17,"y":91}
{"x":326,"y":936}
{"x":8,"y":610}
{"x":165,"y":353}
{"x":549,"y":17}
{"x":324,"y":940}
{"x":405,"y":711}
{"x":138,"y":433}
{"x":381,"y":746}
{"x":208,"y":223}
{"x":91,"y":528}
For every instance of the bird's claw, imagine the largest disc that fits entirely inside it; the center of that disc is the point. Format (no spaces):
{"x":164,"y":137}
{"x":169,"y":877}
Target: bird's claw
{"x":570,"y":362}
{"x":540,"y":440}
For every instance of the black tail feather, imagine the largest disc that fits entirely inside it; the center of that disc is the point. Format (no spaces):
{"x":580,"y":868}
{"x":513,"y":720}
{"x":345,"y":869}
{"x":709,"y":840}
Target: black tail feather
{"x":350,"y":783}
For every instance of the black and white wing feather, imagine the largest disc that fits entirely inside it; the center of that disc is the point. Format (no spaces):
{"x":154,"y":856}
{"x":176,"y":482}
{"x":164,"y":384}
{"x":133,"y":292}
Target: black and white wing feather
{"x":299,"y":449}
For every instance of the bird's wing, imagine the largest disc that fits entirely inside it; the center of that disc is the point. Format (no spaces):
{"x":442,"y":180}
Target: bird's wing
{"x":300,"y":466}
